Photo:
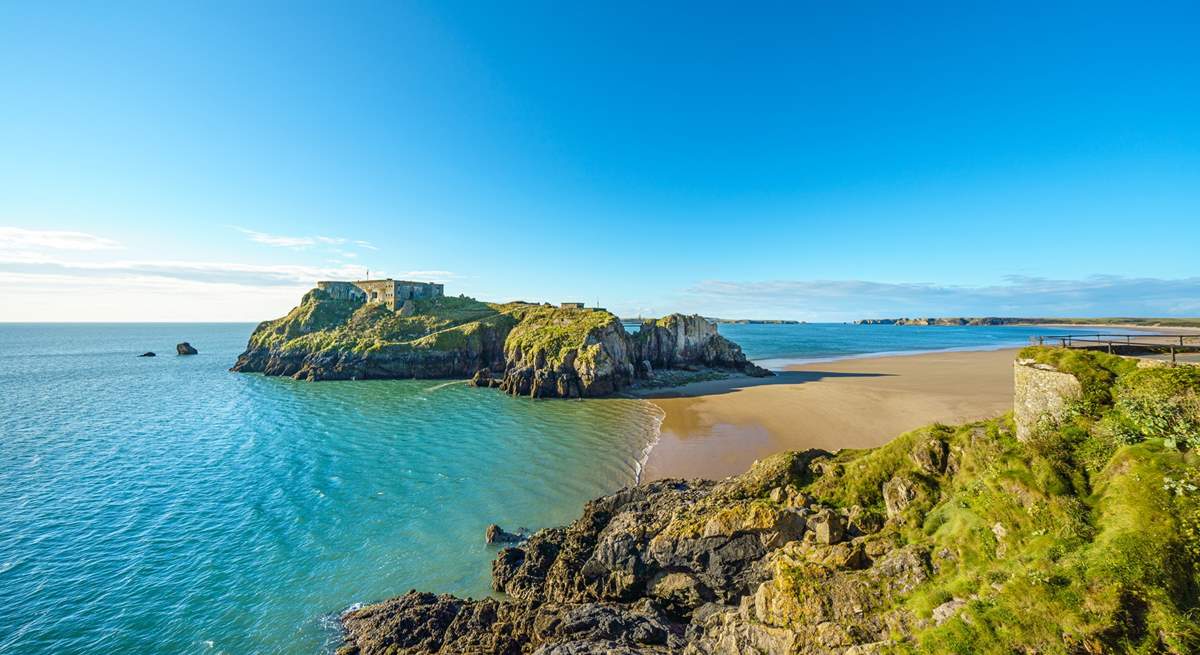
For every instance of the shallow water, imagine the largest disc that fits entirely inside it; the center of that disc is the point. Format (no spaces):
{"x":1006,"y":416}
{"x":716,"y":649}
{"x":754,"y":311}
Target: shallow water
{"x":167,"y":505}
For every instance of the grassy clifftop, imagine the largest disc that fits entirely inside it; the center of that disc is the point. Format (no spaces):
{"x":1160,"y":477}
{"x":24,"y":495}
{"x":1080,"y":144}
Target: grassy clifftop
{"x":321,"y":323}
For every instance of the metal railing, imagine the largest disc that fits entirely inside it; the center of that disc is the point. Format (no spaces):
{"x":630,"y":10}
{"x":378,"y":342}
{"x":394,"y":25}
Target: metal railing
{"x":1172,"y":344}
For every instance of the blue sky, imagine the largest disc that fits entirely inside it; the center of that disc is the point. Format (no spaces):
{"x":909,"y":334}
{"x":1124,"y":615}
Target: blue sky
{"x":209,"y":161}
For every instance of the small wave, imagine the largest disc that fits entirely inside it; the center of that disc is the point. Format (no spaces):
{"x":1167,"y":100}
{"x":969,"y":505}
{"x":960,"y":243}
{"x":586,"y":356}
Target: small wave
{"x":444,"y":385}
{"x":780,"y":363}
{"x":644,"y":456}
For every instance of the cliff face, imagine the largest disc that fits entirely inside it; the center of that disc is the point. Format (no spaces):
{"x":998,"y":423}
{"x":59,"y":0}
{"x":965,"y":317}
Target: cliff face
{"x":681,"y":341}
{"x":945,"y":540}
{"x":528,"y":350}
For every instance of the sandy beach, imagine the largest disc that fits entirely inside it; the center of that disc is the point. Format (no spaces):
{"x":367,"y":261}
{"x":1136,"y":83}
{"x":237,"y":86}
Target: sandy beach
{"x":716,"y":429}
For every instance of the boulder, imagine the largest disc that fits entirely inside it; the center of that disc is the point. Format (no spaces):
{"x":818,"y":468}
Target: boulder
{"x":496,"y":535}
{"x":827,"y":527}
{"x":146,"y":354}
{"x":185,"y":348}
{"x":943,"y":612}
{"x":482,"y":378}
{"x":680,"y":593}
{"x":898,"y":494}
{"x":930,"y":455}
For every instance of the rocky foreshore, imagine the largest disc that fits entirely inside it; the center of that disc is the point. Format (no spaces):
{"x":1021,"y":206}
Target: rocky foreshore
{"x":680,"y":566}
{"x":524,"y":349}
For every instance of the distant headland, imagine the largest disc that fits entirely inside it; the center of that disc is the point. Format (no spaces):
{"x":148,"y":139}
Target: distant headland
{"x":999,"y":320}
{"x":373,"y":329}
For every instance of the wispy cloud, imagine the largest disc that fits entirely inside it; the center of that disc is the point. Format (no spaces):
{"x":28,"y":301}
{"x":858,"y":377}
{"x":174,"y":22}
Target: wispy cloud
{"x":1100,"y":295}
{"x":300,"y":242}
{"x":22,"y":239}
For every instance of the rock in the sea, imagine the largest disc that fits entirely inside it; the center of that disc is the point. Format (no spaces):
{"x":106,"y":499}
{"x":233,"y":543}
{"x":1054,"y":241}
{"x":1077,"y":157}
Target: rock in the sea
{"x":482,"y":378}
{"x":146,"y":354}
{"x":497,"y":535}
{"x":185,"y":348}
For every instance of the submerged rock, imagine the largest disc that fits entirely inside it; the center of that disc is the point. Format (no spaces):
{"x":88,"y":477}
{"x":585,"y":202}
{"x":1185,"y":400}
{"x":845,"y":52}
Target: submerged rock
{"x":147,"y":354}
{"x":495,"y":535}
{"x":185,"y":348}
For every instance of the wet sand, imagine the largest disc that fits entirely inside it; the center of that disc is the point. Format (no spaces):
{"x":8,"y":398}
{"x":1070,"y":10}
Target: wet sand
{"x":716,"y":429}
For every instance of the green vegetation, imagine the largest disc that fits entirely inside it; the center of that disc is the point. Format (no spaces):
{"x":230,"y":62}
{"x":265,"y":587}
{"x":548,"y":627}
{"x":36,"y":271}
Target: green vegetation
{"x":321,"y":323}
{"x":1162,"y":402}
{"x":554,"y":333}
{"x":1085,"y":539}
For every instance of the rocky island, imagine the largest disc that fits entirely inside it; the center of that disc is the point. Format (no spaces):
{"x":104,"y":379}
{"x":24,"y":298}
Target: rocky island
{"x":523,"y":348}
{"x":1072,"y":526}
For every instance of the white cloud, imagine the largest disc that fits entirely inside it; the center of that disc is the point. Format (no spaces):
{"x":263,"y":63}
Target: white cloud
{"x":300,"y":242}
{"x":20,"y":239}
{"x":1099,"y":295}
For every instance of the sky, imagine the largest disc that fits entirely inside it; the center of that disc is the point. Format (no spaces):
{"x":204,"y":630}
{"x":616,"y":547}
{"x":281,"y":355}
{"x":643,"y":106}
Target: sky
{"x":209,"y":161}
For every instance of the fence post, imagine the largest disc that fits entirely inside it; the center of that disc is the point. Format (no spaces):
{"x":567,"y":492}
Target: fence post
{"x":1172,"y":355}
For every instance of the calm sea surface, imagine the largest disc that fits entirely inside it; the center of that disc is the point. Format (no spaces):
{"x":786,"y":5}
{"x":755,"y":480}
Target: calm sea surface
{"x":167,"y":505}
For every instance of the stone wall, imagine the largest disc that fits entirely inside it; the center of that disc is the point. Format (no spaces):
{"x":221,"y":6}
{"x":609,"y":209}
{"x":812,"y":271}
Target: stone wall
{"x":393,"y":293}
{"x":341,"y":290}
{"x":1042,"y":393}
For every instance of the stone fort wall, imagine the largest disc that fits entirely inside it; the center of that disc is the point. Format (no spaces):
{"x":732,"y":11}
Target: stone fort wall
{"x":390,"y":292}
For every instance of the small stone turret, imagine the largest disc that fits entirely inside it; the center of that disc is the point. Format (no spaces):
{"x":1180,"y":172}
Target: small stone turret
{"x":1041,"y":393}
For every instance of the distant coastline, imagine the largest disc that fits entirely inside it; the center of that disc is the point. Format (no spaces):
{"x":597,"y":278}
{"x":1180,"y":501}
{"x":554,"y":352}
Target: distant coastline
{"x":1121,"y":322}
{"x":736,"y":321}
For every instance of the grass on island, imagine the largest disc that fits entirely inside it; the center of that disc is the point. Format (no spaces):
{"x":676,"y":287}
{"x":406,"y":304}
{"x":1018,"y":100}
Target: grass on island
{"x":554,"y":333}
{"x":321,"y":323}
{"x":1085,"y":539}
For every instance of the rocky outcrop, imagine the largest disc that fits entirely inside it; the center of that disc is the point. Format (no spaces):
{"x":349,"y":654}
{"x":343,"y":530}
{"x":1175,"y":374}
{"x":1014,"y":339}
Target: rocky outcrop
{"x":524,"y":349}
{"x":185,"y":348}
{"x":672,"y":566}
{"x":687,"y":341}
{"x":568,"y":356}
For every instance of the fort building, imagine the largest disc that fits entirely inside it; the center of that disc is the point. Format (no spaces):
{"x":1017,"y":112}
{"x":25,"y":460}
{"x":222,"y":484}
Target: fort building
{"x":390,"y":292}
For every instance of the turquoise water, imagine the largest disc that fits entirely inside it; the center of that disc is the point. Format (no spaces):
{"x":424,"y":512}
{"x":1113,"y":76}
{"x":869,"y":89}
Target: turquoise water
{"x":167,"y":505}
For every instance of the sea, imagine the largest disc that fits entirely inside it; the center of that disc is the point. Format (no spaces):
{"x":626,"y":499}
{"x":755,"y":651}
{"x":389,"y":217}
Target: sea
{"x":166,"y":505}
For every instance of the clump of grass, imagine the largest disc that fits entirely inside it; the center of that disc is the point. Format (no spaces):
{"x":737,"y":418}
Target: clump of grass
{"x":1163,"y":403}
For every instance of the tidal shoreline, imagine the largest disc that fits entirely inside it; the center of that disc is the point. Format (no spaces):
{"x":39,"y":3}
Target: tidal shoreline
{"x":718,"y":428}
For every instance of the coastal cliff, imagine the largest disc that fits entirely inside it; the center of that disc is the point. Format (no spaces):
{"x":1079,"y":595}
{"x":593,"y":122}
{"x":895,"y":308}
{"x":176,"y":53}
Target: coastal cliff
{"x":525,"y":349}
{"x":1080,"y":538}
